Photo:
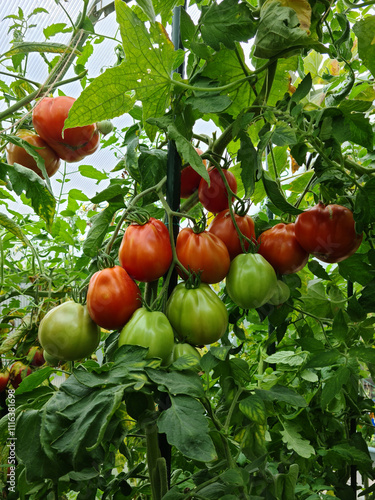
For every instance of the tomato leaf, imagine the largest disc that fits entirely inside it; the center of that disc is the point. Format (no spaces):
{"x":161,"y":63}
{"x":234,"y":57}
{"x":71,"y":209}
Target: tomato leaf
{"x":253,"y":407}
{"x":34,"y":380}
{"x":276,"y":195}
{"x":250,"y":168}
{"x":227,"y":23}
{"x":187,"y":429}
{"x":295,"y":441}
{"x":283,"y":394}
{"x":365,"y":30}
{"x":333,"y":386}
{"x":27,"y":47}
{"x":42,"y":200}
{"x":177,"y":383}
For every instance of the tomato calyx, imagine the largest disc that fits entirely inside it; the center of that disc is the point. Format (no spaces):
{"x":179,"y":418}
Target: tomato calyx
{"x":193,"y":280}
{"x":105,"y":261}
{"x":138,"y":216}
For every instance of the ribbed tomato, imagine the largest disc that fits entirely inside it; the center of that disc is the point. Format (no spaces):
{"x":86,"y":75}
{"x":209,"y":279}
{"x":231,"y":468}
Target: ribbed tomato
{"x":328,"y":232}
{"x":203,"y":253}
{"x":223,"y":227}
{"x":17,"y":154}
{"x":112,"y":297}
{"x":49,"y":116}
{"x":145,"y":251}
{"x":214,"y":197}
{"x":280,"y":247}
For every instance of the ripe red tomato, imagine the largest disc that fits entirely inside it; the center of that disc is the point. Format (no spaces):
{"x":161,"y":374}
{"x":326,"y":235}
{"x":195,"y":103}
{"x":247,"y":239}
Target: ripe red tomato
{"x":279,"y":246}
{"x":203,"y":252}
{"x":145,"y":251}
{"x":4,"y":379}
{"x":36,"y":356}
{"x":18,"y":371}
{"x":17,"y":154}
{"x":112,"y":297}
{"x":49,"y":116}
{"x":223,"y":227}
{"x":214,"y":198}
{"x":328,"y":232}
{"x":190,"y":179}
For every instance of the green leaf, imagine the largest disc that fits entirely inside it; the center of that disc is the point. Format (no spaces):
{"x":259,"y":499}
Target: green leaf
{"x":187,"y":429}
{"x":53,"y":29}
{"x":287,"y":357}
{"x":254,"y":409}
{"x":27,"y":47}
{"x":34,"y":380}
{"x":354,"y":125}
{"x":152,"y":167}
{"x":42,"y":200}
{"x":165,"y":8}
{"x":333,"y":386}
{"x":109,"y":193}
{"x":100,"y":224}
{"x":318,"y":270}
{"x":178,"y":383}
{"x":283,"y":135}
{"x":227,"y":23}
{"x":283,"y":394}
{"x":364,"y":206}
{"x":322,"y":359}
{"x":92,"y":173}
{"x":365,"y":30}
{"x":295,"y":441}
{"x":184,"y":147}
{"x":210,"y":103}
{"x":148,"y":9}
{"x":15,"y":229}
{"x":276,"y":195}
{"x":340,"y":327}
{"x":250,"y":169}
{"x":303,"y":89}
{"x":278,"y":29}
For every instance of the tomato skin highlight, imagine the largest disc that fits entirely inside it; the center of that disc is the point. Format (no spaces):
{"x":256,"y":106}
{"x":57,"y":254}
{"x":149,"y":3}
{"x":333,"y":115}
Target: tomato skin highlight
{"x":190,"y":179}
{"x":145,"y":251}
{"x":223,"y":227}
{"x":251,"y":280}
{"x":328,"y":232}
{"x":214,"y":198}
{"x":112,"y":297}
{"x":68,"y":333}
{"x":197,"y":315}
{"x":49,"y":116}
{"x":149,"y":329}
{"x":203,"y":252}
{"x":280,"y":247}
{"x":17,"y":154}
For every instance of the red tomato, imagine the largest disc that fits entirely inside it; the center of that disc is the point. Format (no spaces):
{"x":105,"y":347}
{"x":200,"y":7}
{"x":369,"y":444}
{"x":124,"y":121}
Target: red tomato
{"x":145,"y":251}
{"x":18,"y":371}
{"x":223,"y":227}
{"x":203,"y":252}
{"x":112,"y":297}
{"x":17,"y":154}
{"x":328,"y":232}
{"x":4,"y":379}
{"x":279,"y":246}
{"x":36,"y":356}
{"x":214,"y":198}
{"x":49,"y":116}
{"x":190,"y":179}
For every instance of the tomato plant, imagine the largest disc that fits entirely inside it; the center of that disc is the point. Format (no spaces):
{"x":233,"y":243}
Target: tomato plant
{"x":149,"y":329}
{"x":17,"y":154}
{"x":68,"y":333}
{"x":145,"y":251}
{"x":190,"y":179}
{"x":223,"y":227}
{"x":280,"y":247}
{"x":72,"y":144}
{"x":328,"y":232}
{"x":197,"y":314}
{"x":251,"y":280}
{"x":112,"y":297}
{"x":214,"y":197}
{"x":4,"y":379}
{"x":203,"y":253}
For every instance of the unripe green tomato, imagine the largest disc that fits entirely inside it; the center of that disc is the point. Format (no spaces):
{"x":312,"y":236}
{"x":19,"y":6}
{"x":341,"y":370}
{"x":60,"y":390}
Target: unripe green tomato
{"x":149,"y":329}
{"x":197,"y":315}
{"x":281,"y":293}
{"x":250,"y":281}
{"x":68,"y":333}
{"x":182,"y":349}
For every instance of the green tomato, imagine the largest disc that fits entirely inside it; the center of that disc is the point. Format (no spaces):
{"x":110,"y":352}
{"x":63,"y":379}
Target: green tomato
{"x":191,"y":354}
{"x":50,"y":360}
{"x":197,"y":314}
{"x":149,"y":329}
{"x":250,"y":281}
{"x":68,"y":333}
{"x":281,"y":293}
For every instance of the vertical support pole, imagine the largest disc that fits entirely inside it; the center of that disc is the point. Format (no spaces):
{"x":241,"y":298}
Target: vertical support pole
{"x":173,"y":199}
{"x":353,"y":421}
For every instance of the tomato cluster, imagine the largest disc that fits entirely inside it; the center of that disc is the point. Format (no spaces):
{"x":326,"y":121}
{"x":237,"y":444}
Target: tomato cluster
{"x":50,"y":141}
